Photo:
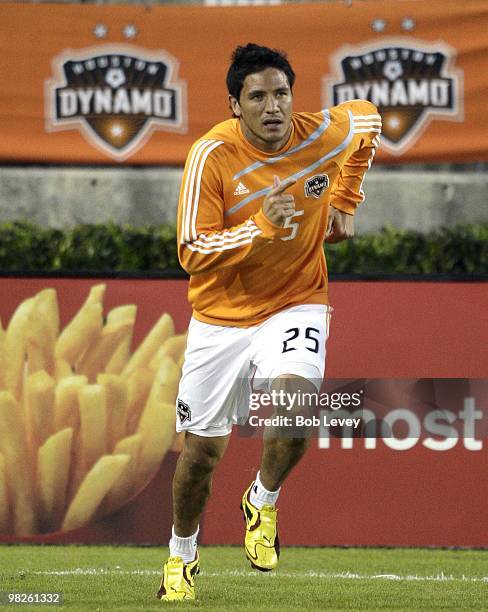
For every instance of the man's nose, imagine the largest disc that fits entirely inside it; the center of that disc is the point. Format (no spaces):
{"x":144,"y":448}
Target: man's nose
{"x":271,"y":104}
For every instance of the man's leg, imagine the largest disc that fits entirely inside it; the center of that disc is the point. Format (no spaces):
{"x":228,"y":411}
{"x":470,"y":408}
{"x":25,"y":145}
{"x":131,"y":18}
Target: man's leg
{"x":288,"y":350}
{"x":283,"y":448}
{"x":193,"y":479}
{"x":216,"y":361}
{"x":191,"y":487}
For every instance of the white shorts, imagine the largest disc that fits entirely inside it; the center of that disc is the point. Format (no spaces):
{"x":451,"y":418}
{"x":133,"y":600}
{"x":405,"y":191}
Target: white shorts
{"x":221,"y":363}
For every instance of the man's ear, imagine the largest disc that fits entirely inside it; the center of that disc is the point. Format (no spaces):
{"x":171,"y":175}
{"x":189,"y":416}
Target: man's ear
{"x":234,"y":106}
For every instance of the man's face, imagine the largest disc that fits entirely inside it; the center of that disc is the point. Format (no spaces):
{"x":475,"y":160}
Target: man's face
{"x":264,"y":109}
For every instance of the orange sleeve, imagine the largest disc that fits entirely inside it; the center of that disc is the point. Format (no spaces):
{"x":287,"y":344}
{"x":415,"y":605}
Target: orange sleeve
{"x":203,"y":243}
{"x":347,"y":192}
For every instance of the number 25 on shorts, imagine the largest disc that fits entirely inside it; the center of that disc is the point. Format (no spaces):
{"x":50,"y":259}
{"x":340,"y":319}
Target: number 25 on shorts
{"x":294,"y":332}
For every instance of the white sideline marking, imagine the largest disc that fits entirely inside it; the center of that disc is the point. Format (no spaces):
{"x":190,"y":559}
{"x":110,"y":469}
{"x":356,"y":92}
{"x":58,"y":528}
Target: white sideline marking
{"x":252,"y":574}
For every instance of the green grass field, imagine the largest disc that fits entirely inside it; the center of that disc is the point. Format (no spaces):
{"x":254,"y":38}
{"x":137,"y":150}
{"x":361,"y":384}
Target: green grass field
{"x":126,"y":578}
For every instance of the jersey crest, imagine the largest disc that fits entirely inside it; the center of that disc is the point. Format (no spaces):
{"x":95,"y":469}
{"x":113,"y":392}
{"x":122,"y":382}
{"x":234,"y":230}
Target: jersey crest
{"x":316,"y":185}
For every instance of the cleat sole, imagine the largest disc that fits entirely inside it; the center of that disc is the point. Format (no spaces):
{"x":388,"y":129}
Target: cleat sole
{"x":256,"y":567}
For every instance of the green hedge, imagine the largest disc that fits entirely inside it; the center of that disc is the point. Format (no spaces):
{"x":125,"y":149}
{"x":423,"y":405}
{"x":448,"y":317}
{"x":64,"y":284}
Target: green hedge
{"x":109,"y":247}
{"x":102,"y":248}
{"x":461,"y":250}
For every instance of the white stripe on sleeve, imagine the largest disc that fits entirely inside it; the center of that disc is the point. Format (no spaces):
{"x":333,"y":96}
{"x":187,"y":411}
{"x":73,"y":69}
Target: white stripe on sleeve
{"x":188,"y":190}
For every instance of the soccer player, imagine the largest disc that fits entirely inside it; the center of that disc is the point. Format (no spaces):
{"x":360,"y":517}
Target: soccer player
{"x":260,"y":194}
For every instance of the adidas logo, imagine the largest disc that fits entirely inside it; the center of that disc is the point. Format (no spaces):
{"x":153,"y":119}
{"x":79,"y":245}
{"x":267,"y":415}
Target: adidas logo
{"x":241,"y":189}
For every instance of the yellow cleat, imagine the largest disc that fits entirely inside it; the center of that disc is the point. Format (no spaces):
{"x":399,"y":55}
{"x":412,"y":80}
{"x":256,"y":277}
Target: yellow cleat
{"x":178,"y":581}
{"x":262,"y":544}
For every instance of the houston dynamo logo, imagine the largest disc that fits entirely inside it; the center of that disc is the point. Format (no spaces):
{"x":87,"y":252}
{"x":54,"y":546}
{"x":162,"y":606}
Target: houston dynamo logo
{"x":315,"y":185}
{"x":116,"y":96}
{"x":411,"y":83}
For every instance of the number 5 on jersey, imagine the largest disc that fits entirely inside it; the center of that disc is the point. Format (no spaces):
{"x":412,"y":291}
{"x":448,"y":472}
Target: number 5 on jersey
{"x":294,"y":226}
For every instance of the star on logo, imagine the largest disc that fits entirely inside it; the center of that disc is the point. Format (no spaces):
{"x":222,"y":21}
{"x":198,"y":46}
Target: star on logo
{"x":116,"y":130}
{"x":100,"y":30}
{"x":130,"y":31}
{"x":408,"y":24}
{"x":378,"y":25}
{"x":394,"y":122}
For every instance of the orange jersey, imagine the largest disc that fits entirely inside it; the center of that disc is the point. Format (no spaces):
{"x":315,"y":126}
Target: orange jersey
{"x":243,"y":267}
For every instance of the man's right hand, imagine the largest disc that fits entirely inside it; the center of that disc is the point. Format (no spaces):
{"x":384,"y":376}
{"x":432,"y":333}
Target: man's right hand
{"x":277,"y":205}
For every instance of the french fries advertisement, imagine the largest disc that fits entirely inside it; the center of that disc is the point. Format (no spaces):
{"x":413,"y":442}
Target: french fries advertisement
{"x":85,"y":420}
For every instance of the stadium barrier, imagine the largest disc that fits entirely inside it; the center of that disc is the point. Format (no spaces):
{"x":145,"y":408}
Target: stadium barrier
{"x":416,"y":350}
{"x":67,"y":196}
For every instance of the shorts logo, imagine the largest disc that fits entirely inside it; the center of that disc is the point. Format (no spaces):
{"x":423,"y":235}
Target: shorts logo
{"x":410,"y":82}
{"x":116,"y":96}
{"x":316,"y":185}
{"x":183,"y":411}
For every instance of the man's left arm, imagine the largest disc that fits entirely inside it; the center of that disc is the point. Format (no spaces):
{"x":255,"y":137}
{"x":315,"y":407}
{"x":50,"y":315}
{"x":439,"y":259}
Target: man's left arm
{"x":347,"y":192}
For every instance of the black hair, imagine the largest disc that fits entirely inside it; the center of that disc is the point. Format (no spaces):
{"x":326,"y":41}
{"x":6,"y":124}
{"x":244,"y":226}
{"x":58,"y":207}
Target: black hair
{"x":254,"y":58}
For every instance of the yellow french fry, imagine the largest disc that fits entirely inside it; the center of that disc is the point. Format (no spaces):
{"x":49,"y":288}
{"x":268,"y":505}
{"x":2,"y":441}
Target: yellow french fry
{"x":90,"y":438}
{"x":62,"y":369}
{"x":18,"y":468}
{"x":121,"y":355}
{"x":5,"y":522}
{"x":157,"y":427}
{"x":165,"y":385}
{"x":116,"y":401}
{"x":3,"y":365}
{"x":53,"y":463}
{"x":98,"y":354}
{"x":96,"y":295}
{"x":178,"y":443}
{"x":93,"y":424}
{"x":39,"y":408}
{"x":177,"y":350}
{"x":126,"y":313}
{"x":142,"y":356}
{"x":47,"y":307}
{"x":173,"y":347}
{"x":80,"y":333}
{"x":125,"y":486}
{"x":138,"y":388}
{"x":16,"y":347}
{"x":96,"y":484}
{"x":66,"y":406}
{"x":42,"y":331}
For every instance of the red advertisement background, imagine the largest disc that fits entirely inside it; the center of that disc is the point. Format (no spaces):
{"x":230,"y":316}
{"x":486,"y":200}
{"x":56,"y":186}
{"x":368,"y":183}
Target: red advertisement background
{"x":358,"y":496}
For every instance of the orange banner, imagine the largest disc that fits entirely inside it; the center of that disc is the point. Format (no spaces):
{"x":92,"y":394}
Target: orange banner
{"x":137,"y":85}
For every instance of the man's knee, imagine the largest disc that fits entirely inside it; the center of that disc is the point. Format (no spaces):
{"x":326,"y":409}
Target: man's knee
{"x":202,"y":454}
